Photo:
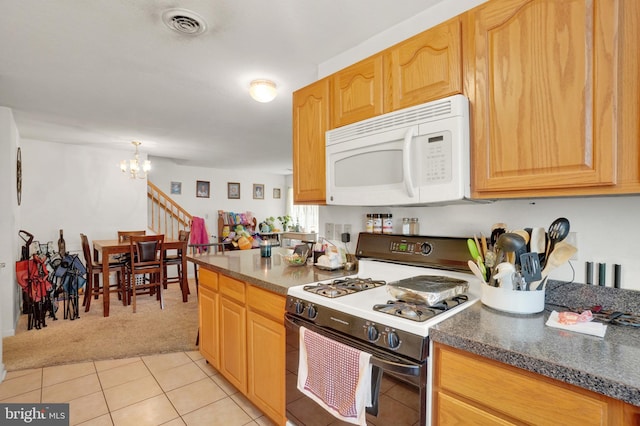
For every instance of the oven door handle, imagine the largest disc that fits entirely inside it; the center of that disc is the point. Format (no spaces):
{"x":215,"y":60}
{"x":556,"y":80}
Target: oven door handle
{"x":407,"y":369}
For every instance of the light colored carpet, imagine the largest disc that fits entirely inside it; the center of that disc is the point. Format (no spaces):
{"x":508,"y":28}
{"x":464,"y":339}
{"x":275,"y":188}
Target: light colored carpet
{"x":92,"y":337}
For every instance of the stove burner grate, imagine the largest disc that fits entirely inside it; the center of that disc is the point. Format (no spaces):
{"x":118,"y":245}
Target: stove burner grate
{"x":419,"y":312}
{"x":343,"y":286}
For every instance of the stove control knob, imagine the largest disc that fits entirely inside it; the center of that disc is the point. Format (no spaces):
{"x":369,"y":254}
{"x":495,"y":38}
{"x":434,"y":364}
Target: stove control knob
{"x":426,"y":248}
{"x":312,"y":312}
{"x":372,"y":333}
{"x":393,"y":340}
{"x":299,"y":306}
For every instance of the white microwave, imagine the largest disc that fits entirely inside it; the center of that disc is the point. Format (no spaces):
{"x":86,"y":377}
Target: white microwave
{"x":415,"y":156}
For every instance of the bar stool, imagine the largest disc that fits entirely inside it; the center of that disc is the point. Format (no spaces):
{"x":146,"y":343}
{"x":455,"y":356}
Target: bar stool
{"x":176,"y":260}
{"x":146,"y":253}
{"x":94,"y":269}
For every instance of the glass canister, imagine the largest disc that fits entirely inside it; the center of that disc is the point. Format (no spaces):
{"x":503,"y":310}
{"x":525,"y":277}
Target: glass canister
{"x":368,"y":225}
{"x":377,"y":223}
{"x":265,"y":248}
{"x":387,"y":223}
{"x":414,"y":226}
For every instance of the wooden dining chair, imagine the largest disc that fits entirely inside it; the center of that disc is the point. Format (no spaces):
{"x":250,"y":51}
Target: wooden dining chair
{"x":175,"y":259}
{"x":146,"y":254}
{"x":94,"y":269}
{"x":126,"y":235}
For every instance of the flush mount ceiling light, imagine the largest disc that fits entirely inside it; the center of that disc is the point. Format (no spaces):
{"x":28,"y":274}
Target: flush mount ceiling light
{"x":184,"y":21}
{"x":263,"y":90}
{"x":134,"y":167}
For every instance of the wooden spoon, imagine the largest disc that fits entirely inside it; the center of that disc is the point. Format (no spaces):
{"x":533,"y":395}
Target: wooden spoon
{"x":562,"y":252}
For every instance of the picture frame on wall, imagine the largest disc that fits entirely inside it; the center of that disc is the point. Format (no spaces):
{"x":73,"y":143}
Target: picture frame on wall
{"x":258,"y":191}
{"x":176,"y":188}
{"x":233,"y":190}
{"x":276,"y":193}
{"x":202,"y":189}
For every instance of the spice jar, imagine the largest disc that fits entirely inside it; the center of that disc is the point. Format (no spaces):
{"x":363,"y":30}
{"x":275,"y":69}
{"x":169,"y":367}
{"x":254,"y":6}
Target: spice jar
{"x":377,"y":223}
{"x":368,"y":225}
{"x":387,"y":223}
{"x":406,"y":229}
{"x":414,"y":226}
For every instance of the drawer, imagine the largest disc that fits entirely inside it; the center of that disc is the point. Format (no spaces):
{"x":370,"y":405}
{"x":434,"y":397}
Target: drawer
{"x":513,"y":392}
{"x":233,"y":288}
{"x":266,"y":302}
{"x":208,"y":279}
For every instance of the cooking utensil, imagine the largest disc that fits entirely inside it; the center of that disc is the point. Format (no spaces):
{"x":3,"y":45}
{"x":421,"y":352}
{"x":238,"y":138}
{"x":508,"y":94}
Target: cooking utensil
{"x":506,"y":243}
{"x":530,"y":267}
{"x":558,"y":231}
{"x":473,"y":249}
{"x":480,"y":252}
{"x":560,"y":255}
{"x":473,"y":266}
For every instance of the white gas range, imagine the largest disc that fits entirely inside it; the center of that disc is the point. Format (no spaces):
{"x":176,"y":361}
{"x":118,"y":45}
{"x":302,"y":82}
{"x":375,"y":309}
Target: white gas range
{"x":360,"y":310}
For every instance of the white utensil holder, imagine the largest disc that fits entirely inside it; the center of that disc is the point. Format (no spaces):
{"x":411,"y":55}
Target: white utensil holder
{"x":513,"y":301}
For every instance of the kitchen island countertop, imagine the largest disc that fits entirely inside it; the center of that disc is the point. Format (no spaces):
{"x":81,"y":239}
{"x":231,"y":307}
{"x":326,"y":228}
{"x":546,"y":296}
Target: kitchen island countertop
{"x":270,"y":273}
{"x":606,"y":365}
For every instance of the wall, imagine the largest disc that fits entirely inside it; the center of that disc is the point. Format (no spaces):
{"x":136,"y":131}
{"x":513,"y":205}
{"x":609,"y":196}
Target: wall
{"x":165,"y":171}
{"x":607,"y":227}
{"x":9,"y":225}
{"x":79,"y":189}
{"x":415,"y":25}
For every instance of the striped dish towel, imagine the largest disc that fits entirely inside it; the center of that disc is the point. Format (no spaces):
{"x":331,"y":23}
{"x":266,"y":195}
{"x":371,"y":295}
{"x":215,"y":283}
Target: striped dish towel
{"x":336,"y":376}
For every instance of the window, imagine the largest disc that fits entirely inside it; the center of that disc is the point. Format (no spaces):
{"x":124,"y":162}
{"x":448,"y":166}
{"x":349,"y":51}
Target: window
{"x":306,"y":215}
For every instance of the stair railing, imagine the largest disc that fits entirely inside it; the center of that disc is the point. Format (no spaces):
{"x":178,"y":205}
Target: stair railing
{"x":165,"y":216}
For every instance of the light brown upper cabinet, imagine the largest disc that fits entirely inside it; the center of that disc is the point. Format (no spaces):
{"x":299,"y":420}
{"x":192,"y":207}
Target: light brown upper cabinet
{"x":425,"y":67}
{"x":357,"y":92}
{"x":554,"y":95}
{"x":310,"y":122}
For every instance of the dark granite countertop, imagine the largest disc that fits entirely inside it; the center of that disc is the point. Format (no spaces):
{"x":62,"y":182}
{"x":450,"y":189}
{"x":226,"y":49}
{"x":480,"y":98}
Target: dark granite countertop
{"x":269,"y":273}
{"x":606,"y":365}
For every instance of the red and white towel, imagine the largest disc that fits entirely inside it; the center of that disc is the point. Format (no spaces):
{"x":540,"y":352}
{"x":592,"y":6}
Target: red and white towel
{"x":336,"y":376}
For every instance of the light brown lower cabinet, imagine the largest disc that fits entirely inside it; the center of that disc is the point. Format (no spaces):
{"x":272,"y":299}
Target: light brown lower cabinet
{"x":470,"y":389}
{"x":242,"y":335}
{"x":208,"y":317}
{"x":266,"y":345}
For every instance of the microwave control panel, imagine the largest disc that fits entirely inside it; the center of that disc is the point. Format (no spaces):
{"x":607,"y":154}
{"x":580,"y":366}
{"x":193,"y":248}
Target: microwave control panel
{"x":436,"y":151}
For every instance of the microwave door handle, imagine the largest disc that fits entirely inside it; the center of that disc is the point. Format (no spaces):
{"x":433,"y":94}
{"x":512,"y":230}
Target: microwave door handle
{"x":406,"y":162}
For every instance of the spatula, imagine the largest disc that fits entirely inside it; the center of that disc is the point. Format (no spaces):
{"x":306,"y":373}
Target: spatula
{"x":530,"y":267}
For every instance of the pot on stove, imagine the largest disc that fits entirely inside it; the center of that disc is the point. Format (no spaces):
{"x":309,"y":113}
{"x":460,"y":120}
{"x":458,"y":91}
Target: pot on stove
{"x":427,"y":289}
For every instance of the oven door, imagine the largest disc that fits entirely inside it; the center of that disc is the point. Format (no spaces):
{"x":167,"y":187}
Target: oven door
{"x":398,"y":386}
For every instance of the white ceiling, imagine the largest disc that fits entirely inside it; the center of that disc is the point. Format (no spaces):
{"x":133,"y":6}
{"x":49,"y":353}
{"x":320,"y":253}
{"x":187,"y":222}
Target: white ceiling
{"x":106,"y":72}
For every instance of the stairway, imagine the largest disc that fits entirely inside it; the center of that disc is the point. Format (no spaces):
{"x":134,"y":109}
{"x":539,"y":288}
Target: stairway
{"x":165,"y":216}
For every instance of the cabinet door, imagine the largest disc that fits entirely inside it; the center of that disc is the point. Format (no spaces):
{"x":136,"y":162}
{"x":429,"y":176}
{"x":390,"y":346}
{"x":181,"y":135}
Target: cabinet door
{"x":208,"y":322}
{"x":233,"y":343}
{"x":310,"y":122}
{"x":513,"y":394}
{"x":357,"y":92}
{"x":266,"y":365}
{"x":425,"y":67}
{"x":543,"y":111}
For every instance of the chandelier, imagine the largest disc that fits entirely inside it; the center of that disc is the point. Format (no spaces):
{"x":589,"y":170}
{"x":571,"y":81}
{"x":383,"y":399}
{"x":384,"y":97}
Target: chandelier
{"x":134,"y":167}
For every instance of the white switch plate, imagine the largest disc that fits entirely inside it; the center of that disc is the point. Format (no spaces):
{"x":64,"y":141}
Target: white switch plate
{"x":347,"y":228}
{"x":328,"y":231}
{"x":337,"y":231}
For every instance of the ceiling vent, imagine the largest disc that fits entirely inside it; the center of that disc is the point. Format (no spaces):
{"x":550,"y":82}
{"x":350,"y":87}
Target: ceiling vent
{"x":184,"y":21}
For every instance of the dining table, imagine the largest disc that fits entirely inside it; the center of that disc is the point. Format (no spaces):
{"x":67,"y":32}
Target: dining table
{"x":103,"y":249}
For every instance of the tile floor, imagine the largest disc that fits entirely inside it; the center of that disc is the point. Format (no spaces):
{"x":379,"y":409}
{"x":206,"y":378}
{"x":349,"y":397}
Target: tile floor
{"x":168,"y":389}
